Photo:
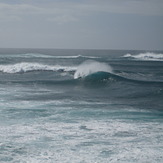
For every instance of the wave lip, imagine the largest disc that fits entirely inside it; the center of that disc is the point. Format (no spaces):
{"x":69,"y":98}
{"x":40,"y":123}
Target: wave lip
{"x":148,"y":56}
{"x":90,"y":67}
{"x":26,"y":67}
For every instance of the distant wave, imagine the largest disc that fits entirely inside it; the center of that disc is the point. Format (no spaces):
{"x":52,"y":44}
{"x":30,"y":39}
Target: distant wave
{"x":26,"y":55}
{"x":26,"y":67}
{"x":93,"y":72}
{"x":89,"y":67}
{"x":149,"y":56}
{"x":38,"y":55}
{"x":76,"y":56}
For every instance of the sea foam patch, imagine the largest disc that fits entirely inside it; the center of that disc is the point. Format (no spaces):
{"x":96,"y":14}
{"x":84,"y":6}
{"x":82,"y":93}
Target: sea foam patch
{"x":104,"y":140}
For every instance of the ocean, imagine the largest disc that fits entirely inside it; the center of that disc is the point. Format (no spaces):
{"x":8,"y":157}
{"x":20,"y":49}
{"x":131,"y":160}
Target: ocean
{"x":81,"y":106}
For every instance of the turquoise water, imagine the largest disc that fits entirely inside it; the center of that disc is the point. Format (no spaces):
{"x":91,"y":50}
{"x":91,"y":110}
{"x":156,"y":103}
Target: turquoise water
{"x":81,"y":106}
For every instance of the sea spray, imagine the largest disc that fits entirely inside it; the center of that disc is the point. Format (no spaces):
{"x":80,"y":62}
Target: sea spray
{"x":89,"y":67}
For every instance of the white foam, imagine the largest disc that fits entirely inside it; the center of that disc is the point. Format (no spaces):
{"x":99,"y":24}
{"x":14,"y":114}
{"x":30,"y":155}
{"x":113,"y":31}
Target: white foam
{"x":26,"y":67}
{"x":89,"y":67}
{"x":146,"y":56}
{"x":108,"y":140}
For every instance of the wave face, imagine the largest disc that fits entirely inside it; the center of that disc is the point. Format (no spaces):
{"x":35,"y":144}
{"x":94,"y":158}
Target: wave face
{"x":149,"y":56}
{"x":26,"y":67}
{"x":89,"y":67}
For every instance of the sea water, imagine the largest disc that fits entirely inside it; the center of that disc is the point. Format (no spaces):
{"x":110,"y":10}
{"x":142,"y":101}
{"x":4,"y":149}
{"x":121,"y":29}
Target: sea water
{"x":81,"y":106}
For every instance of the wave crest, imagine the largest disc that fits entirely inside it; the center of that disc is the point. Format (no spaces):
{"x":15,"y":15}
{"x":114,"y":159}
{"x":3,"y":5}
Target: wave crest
{"x":149,"y":56}
{"x":26,"y":67}
{"x":39,"y":55}
{"x":89,"y":67}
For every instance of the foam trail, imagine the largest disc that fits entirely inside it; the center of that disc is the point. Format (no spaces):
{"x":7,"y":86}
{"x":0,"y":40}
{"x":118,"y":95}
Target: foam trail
{"x":146,"y":56}
{"x":26,"y":67}
{"x":90,"y":67}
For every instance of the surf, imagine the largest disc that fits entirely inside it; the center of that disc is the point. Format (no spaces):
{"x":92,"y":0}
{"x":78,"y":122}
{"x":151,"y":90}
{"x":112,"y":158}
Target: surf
{"x":24,"y":67}
{"x":148,"y":56}
{"x":90,"y":67}
{"x":95,"y":72}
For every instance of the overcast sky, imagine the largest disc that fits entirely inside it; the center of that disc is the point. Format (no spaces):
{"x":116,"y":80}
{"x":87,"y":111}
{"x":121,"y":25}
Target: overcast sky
{"x":88,"y":24}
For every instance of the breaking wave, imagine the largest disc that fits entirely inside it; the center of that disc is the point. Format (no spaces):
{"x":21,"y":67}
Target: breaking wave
{"x":90,"y":67}
{"x":89,"y":71}
{"x":26,"y":67}
{"x":149,"y":56}
{"x":93,"y":71}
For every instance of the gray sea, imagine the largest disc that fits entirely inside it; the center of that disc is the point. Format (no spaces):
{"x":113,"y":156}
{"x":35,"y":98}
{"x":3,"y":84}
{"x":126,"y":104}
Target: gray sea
{"x":81,"y":106}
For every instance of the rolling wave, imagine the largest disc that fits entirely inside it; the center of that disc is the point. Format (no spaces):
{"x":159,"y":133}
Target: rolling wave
{"x":107,"y":77}
{"x":99,"y":78}
{"x":93,"y":71}
{"x":149,"y":56}
{"x":89,"y":71}
{"x":89,"y":67}
{"x":102,"y":76}
{"x":27,"y":67}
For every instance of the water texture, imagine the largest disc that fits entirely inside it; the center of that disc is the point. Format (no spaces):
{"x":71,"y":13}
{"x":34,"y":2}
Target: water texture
{"x":81,"y":106}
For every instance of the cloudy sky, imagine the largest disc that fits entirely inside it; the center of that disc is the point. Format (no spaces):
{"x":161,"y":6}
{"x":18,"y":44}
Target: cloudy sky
{"x":89,"y":24}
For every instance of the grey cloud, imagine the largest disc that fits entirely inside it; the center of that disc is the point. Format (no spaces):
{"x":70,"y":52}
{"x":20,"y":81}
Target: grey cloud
{"x":74,"y":9}
{"x":82,"y":23}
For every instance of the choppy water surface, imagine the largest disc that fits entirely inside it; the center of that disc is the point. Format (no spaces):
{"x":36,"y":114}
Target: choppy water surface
{"x":81,"y":106}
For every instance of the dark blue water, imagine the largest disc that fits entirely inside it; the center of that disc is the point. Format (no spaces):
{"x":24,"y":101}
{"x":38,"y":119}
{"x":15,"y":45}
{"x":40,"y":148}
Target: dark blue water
{"x":81,"y":106}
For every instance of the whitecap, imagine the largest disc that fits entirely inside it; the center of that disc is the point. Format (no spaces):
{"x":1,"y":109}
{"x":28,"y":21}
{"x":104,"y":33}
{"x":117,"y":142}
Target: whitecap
{"x":148,"y":56}
{"x":89,"y":67}
{"x":28,"y":66}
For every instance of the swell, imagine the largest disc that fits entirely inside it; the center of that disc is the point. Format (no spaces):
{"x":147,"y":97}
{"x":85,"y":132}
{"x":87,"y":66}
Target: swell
{"x":98,"y":78}
{"x":93,"y":71}
{"x":89,"y":71}
{"x":111,"y":77}
{"x":47,"y":82}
